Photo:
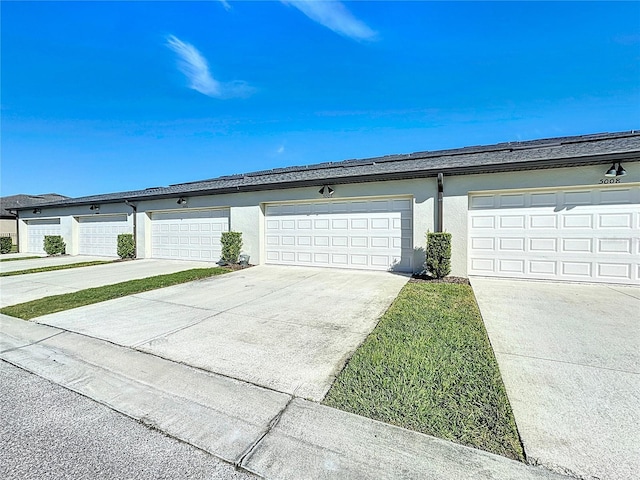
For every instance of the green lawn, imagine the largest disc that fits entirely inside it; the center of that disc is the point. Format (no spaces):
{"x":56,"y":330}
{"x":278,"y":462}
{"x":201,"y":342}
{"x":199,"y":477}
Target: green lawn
{"x":428,"y":366}
{"x":13,"y":259}
{"x":55,"y":267}
{"x":58,"y":303}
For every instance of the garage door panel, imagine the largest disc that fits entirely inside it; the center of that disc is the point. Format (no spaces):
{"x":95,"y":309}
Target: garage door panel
{"x":568,"y":238}
{"x":616,"y":196}
{"x":576,"y":269}
{"x":615,"y":220}
{"x":543,"y":268}
{"x":98,"y":234}
{"x":401,"y":205}
{"x":577,"y":221}
{"x":341,"y":259}
{"x":321,"y":241}
{"x":511,"y":200}
{"x":543,"y":221}
{"x":482,"y":266}
{"x":543,"y":199}
{"x":340,"y":241}
{"x":543,"y":245}
{"x":614,"y":245}
{"x":615,"y":270}
{"x":371,"y":234}
{"x":482,"y":201}
{"x":38,"y":229}
{"x":483,"y":221}
{"x":189,"y":235}
{"x":511,"y":266}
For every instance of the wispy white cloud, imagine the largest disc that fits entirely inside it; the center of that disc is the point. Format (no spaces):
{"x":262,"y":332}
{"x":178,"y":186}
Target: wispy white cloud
{"x":195,"y":67}
{"x":280,"y":149}
{"x":225,"y":4}
{"x":335,"y":16}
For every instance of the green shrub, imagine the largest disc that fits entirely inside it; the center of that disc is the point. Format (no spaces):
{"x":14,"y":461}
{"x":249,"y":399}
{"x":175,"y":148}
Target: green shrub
{"x":126,"y":246}
{"x":5,"y":244}
{"x":54,"y":245}
{"x":231,"y":246}
{"x":438,"y":255}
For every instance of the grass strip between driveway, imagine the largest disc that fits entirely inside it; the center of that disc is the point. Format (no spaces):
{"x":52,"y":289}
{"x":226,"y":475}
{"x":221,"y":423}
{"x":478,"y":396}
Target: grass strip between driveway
{"x":13,"y":259}
{"x":428,"y":366}
{"x":52,"y":268}
{"x":67,"y":301}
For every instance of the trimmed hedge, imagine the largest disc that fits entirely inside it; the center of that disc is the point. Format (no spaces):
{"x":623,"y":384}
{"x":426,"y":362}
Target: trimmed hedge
{"x":126,"y":246}
{"x":231,"y":246}
{"x":5,"y":244}
{"x":54,"y":245}
{"x":438,"y":254}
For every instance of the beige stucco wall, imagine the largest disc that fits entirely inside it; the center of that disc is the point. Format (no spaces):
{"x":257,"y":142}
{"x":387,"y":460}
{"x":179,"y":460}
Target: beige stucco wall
{"x":246,"y":209}
{"x":8,"y":225}
{"x":8,"y":228}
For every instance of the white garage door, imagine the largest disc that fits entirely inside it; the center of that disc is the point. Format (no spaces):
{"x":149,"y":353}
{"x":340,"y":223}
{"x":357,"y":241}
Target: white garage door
{"x":590,"y":234}
{"x":37,"y":229}
{"x":189,"y":235}
{"x":98,"y":234}
{"x":362,"y":234}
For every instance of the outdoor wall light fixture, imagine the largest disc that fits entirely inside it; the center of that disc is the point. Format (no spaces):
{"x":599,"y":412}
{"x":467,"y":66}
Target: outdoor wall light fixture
{"x":182,"y":201}
{"x":95,"y":208}
{"x":326,"y":191}
{"x":37,"y":210}
{"x":616,"y":170}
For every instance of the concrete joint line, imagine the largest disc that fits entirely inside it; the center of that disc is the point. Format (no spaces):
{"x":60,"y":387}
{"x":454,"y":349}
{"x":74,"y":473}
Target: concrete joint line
{"x":171,"y":332}
{"x":163,"y":392}
{"x":568,"y":363}
{"x":46,"y":284}
{"x":210,"y":372}
{"x":135,"y":348}
{"x":228,"y":310}
{"x":552,"y":467}
{"x":216,"y":313}
{"x":136,"y":295}
{"x":272,"y":424}
{"x":623,"y":293}
{"x":98,"y":367}
{"x":32,"y":343}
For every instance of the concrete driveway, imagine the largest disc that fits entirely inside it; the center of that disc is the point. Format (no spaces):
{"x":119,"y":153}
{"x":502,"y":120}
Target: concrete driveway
{"x":24,"y":288}
{"x":6,"y":256}
{"x":289,"y":329}
{"x":44,"y":261}
{"x":570,"y":359}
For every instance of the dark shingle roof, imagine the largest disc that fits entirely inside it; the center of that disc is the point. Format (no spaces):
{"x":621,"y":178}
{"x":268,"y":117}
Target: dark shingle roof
{"x":22,"y":200}
{"x":511,"y":156}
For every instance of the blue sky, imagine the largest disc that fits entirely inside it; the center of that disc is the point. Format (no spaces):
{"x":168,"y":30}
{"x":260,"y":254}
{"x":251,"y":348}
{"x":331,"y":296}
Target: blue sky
{"x":100,"y":97}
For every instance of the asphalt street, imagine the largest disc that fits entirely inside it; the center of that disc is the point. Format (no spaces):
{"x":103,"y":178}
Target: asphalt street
{"x":49,"y":432}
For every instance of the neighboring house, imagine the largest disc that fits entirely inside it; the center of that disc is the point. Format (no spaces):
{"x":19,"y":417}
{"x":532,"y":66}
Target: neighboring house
{"x":559,"y":209}
{"x":9,"y":205}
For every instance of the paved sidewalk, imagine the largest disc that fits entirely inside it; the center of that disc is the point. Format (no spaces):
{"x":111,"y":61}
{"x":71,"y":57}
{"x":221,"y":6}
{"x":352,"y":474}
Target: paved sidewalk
{"x":24,"y":288}
{"x":570,"y":359}
{"x":271,"y":434}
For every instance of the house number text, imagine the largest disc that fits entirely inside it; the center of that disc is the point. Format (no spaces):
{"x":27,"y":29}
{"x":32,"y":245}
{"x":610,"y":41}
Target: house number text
{"x":609,"y":180}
